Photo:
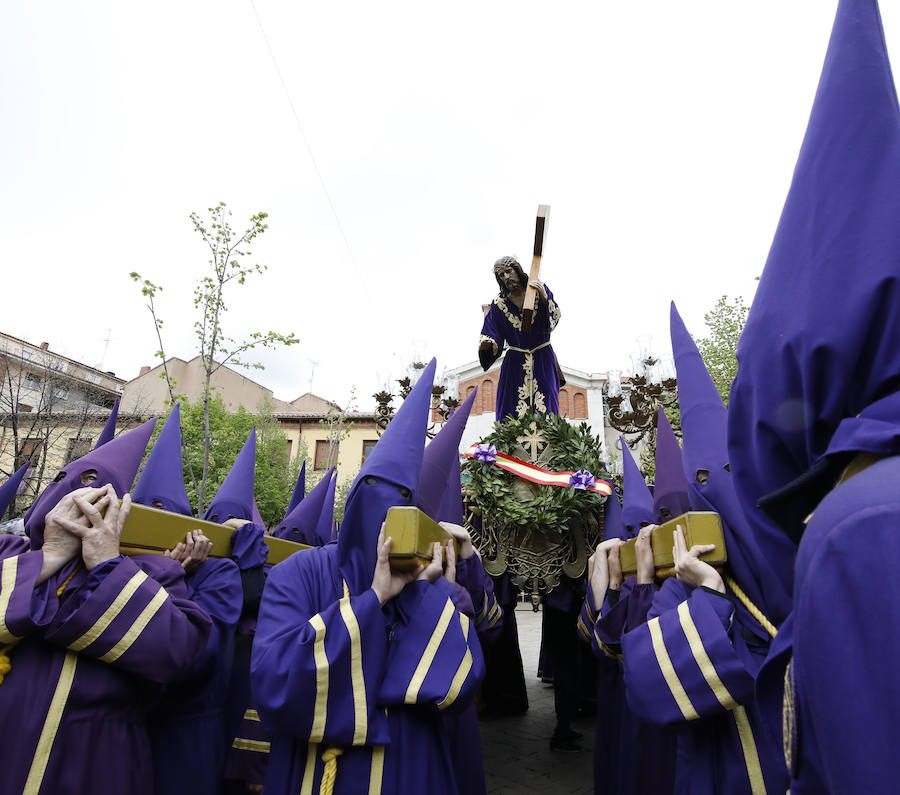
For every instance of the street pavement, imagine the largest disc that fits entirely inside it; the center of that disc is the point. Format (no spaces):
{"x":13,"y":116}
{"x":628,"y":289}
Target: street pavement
{"x":517,"y":755}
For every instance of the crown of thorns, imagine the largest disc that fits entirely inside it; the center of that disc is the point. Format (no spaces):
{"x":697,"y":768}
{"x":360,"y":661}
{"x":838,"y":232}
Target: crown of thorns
{"x":503,"y":261}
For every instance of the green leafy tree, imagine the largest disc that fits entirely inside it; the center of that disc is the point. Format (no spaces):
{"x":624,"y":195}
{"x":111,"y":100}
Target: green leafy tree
{"x":275,"y":476}
{"x":228,"y":251}
{"x":719,"y":347}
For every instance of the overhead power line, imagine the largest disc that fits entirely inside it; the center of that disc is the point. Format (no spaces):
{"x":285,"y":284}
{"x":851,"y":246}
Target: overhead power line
{"x":309,"y":150}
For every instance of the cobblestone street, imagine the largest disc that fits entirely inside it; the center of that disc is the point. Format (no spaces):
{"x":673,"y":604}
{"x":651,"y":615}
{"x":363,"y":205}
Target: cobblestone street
{"x":517,"y":755}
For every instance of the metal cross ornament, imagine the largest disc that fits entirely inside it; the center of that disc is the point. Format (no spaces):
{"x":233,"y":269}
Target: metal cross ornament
{"x":532,"y":441}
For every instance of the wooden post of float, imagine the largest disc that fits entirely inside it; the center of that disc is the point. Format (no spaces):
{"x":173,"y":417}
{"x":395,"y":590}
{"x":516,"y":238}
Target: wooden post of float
{"x":540,"y":227}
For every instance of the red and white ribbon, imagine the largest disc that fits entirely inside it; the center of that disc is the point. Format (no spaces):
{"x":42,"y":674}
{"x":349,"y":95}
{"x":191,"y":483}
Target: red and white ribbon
{"x":539,"y":475}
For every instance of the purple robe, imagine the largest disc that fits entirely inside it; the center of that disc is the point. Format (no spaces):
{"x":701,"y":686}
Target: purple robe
{"x":504,"y":690}
{"x":331,"y":670}
{"x":462,"y":730}
{"x":87,"y":666}
{"x":246,"y":738}
{"x":529,"y":380}
{"x":187,"y":727}
{"x":693,"y":665}
{"x":630,"y":754}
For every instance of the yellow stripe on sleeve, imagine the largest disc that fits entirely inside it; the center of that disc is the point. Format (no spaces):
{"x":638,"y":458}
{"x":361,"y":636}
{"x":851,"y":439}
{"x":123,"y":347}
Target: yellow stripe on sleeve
{"x":137,"y":627}
{"x":462,"y":672}
{"x":430,"y":650}
{"x":361,"y":716}
{"x":8,"y":573}
{"x":321,"y":709}
{"x":668,"y":671}
{"x":251,"y":714}
{"x":243,"y":744}
{"x":702,"y":658}
{"x":110,"y":613}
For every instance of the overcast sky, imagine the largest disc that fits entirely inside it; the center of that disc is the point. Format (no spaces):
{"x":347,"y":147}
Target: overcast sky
{"x":663,"y":135}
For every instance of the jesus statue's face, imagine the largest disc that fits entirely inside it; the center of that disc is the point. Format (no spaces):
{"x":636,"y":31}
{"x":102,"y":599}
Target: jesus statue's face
{"x":509,"y":278}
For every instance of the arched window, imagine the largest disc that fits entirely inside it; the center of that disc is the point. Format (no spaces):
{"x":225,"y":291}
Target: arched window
{"x":487,"y":395}
{"x":565,"y":407}
{"x":475,"y":407}
{"x":580,"y":407}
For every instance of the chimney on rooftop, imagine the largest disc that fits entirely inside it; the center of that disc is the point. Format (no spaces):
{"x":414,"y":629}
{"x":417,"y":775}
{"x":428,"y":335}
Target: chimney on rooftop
{"x":45,"y":346}
{"x":144,"y":370}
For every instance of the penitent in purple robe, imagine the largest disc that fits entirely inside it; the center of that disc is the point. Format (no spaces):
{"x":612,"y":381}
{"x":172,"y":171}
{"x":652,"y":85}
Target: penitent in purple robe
{"x":86,"y":666}
{"x":332,"y":670}
{"x":89,"y":650}
{"x":187,"y":727}
{"x":826,"y":317}
{"x":529,"y":380}
{"x":349,"y":688}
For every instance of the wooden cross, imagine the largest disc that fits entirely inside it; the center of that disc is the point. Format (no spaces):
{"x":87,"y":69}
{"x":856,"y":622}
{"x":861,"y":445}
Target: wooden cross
{"x":540,"y":226}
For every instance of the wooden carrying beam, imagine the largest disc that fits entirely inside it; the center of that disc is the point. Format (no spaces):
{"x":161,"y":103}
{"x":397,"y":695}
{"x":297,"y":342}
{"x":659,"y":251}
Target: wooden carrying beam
{"x":413,"y":532}
{"x":540,"y":228}
{"x":700,"y":527}
{"x":152,"y":531}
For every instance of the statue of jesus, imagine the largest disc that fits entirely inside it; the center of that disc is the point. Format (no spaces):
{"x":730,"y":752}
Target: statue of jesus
{"x":529,"y":377}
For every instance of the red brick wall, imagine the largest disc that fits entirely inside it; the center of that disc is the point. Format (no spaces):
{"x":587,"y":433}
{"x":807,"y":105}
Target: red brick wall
{"x":572,"y":400}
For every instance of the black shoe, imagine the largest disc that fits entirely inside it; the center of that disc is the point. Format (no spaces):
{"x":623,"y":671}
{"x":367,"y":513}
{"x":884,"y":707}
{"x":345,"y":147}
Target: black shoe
{"x":570,"y":742}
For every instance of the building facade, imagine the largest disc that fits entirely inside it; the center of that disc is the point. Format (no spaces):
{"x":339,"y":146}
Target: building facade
{"x":581,"y":399}
{"x":52,"y":409}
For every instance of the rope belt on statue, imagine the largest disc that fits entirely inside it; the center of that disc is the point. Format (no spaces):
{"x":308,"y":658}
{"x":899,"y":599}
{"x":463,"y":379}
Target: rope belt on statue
{"x":529,"y":366}
{"x":5,"y":663}
{"x":754,"y":611}
{"x":329,"y":757}
{"x":529,"y":351}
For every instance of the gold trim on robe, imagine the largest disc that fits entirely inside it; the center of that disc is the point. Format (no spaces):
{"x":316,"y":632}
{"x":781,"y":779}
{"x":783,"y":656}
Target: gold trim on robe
{"x":110,"y":613}
{"x":51,"y":725}
{"x":430,"y":651}
{"x":668,"y":671}
{"x":137,"y":627}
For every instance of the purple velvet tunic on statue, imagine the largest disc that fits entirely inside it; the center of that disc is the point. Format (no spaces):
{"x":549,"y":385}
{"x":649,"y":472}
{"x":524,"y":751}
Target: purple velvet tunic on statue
{"x":334,"y":670}
{"x":187,"y":727}
{"x":529,"y":379}
{"x":86,"y":668}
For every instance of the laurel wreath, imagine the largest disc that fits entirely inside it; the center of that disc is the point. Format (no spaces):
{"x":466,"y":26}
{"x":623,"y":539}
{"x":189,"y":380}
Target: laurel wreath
{"x":489,"y":489}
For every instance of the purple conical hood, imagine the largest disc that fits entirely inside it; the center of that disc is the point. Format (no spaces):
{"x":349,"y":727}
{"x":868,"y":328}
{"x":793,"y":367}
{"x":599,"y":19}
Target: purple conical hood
{"x":300,"y":523}
{"x":819,"y":363}
{"x":613,"y":526}
{"x":116,"y":463}
{"x":256,"y":516}
{"x":705,"y":458}
{"x":388,"y":477}
{"x":451,"y":509}
{"x":437,"y":461}
{"x":670,"y":488}
{"x":703,"y":416}
{"x":162,"y":479}
{"x":109,"y":429}
{"x":324,"y":525}
{"x":299,"y":489}
{"x":637,"y":501}
{"x":235,"y":496}
{"x":8,"y":490}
